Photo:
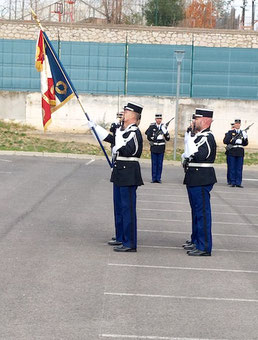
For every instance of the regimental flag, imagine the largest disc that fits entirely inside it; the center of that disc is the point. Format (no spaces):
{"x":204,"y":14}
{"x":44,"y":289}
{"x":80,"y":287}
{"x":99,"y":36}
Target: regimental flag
{"x":56,"y":87}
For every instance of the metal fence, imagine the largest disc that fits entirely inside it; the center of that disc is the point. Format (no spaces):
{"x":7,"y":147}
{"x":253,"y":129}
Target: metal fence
{"x":138,"y":69}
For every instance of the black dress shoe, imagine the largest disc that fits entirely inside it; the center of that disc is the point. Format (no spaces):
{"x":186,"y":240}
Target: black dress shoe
{"x":190,"y":247}
{"x":125,"y":249}
{"x":153,"y":181}
{"x":187,"y":243}
{"x":198,"y":252}
{"x":159,"y":181}
{"x":232,"y":185}
{"x":239,"y":186}
{"x":114,"y":242}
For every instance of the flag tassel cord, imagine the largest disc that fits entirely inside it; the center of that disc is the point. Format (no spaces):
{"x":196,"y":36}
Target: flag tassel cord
{"x":71,"y":87}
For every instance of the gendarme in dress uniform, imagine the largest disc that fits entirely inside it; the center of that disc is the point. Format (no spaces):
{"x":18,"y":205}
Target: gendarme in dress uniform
{"x":235,"y":139}
{"x":126,"y":176}
{"x":157,"y":135}
{"x":198,"y":159}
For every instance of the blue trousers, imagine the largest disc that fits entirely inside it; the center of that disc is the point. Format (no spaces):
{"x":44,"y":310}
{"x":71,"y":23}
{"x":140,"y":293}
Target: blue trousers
{"x":125,"y":215}
{"x":156,"y":166}
{"x":235,"y":168}
{"x":199,"y":198}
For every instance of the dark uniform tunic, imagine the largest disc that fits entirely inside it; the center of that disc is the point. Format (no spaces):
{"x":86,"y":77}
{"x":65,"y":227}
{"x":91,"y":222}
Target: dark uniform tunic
{"x":157,"y":140}
{"x":199,"y":179}
{"x":235,"y":155}
{"x":126,"y":177}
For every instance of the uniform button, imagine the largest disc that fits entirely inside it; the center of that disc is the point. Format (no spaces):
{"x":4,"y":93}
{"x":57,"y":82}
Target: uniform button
{"x":124,"y":167}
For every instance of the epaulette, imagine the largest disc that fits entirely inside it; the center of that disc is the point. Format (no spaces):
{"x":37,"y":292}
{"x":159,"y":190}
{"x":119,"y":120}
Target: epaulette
{"x":133,"y":128}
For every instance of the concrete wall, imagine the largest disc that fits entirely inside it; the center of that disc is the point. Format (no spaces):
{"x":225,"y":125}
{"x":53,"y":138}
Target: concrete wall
{"x":26,"y":108}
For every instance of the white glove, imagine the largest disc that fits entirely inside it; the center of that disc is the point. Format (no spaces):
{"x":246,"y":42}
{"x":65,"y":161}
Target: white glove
{"x":91,"y":124}
{"x":119,"y":142}
{"x":164,"y":129}
{"x":238,"y":141}
{"x":190,"y":147}
{"x":182,"y":158}
{"x":244,"y":135}
{"x":160,"y":137}
{"x":100,"y":131}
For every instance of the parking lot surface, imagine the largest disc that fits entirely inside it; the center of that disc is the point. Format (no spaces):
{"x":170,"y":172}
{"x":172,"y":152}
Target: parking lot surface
{"x":60,"y":280}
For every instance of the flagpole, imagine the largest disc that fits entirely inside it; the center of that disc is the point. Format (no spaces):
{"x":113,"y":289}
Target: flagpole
{"x":70,"y":85}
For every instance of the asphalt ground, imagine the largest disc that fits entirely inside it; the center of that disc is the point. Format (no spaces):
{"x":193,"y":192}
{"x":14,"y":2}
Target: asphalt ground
{"x":60,"y":280}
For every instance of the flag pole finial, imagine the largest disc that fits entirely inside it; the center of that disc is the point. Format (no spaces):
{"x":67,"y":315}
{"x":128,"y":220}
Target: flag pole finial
{"x":35,"y":17}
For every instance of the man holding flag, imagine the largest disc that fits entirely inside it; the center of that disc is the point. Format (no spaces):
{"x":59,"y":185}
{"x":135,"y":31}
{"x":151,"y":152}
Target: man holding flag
{"x":57,"y":89}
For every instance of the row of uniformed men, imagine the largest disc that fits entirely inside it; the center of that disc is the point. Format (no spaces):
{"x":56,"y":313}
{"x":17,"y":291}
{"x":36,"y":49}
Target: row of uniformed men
{"x":198,"y":159}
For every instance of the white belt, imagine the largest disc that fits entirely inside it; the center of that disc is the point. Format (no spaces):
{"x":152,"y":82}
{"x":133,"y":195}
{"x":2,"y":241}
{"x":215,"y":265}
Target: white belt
{"x":237,"y":146}
{"x":130,"y":159}
{"x":200,"y":165}
{"x":159,"y":143}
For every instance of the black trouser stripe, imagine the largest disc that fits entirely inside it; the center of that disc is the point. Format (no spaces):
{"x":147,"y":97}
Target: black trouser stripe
{"x":132,"y":218}
{"x":204,"y":221}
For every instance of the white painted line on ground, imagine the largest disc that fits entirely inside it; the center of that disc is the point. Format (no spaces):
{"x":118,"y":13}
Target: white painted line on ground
{"x":5,"y":172}
{"x":188,"y":211}
{"x":188,"y":221}
{"x":214,"y":249}
{"x":183,"y":189}
{"x":149,"y":337}
{"x":185,"y":232}
{"x":185,"y":196}
{"x":187,"y":203}
{"x":251,"y":179}
{"x":181,"y":297}
{"x":89,"y":162}
{"x":237,"y":271}
{"x":5,"y":160}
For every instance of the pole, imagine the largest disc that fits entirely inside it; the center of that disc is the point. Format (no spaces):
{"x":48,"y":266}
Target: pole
{"x":253,"y":11}
{"x":243,"y":13}
{"x":156,"y":13}
{"x":177,"y":98}
{"x":126,"y":66}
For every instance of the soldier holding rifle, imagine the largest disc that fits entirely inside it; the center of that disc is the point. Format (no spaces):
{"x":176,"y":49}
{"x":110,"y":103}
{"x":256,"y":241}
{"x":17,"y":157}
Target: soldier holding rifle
{"x":157,"y":135}
{"x":236,"y":139}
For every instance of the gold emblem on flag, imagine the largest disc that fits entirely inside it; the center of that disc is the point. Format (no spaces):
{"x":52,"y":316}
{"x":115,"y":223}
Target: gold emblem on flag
{"x":61,"y":87}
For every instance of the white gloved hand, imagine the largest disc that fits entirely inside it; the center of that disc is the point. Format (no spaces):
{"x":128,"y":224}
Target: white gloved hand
{"x":244,"y":135}
{"x":238,"y":141}
{"x":183,"y":158}
{"x":119,"y":141}
{"x":160,"y":137}
{"x":100,"y":131}
{"x":114,"y":150}
{"x":190,"y":147}
{"x":164,"y":129}
{"x":91,"y":124}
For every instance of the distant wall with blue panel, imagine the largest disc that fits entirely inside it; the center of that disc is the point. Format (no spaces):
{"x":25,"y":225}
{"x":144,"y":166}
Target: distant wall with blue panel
{"x":206,"y":72}
{"x":152,"y":70}
{"x":92,"y":67}
{"x":225,"y":73}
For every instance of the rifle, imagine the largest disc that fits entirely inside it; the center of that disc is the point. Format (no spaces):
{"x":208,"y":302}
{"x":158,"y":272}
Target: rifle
{"x":239,"y":134}
{"x":159,"y":132}
{"x":167,"y":124}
